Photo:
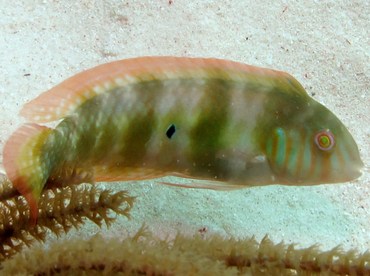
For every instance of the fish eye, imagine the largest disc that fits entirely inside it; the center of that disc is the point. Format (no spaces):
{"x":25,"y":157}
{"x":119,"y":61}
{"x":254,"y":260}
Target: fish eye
{"x":324,"y":140}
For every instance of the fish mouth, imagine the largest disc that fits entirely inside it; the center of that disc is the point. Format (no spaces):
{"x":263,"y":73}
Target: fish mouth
{"x":340,"y":175}
{"x":354,"y":175}
{"x":349,"y":173}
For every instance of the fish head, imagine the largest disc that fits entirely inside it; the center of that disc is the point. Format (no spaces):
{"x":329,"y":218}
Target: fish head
{"x":307,"y":144}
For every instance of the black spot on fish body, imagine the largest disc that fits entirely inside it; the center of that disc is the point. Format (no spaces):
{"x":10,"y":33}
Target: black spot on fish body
{"x":170,"y":131}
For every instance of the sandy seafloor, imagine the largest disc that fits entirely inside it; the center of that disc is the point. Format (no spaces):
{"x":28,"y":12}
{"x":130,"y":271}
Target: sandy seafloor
{"x":324,"y":44}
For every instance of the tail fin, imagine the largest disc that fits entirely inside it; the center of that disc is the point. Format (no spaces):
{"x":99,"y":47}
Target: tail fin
{"x":23,"y":163}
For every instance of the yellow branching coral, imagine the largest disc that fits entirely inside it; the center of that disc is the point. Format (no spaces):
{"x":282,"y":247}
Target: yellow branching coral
{"x":6,"y":188}
{"x":146,"y":255}
{"x":60,"y":209}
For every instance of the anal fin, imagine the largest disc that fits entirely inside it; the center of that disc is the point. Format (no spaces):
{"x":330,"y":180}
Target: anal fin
{"x":202,"y":183}
{"x":117,"y":173}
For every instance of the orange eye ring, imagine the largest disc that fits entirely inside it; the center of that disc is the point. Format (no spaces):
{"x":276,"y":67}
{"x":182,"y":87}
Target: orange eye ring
{"x":324,"y":140}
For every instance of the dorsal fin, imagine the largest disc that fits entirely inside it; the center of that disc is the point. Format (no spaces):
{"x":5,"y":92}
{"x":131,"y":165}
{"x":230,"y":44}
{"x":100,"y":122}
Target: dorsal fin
{"x":295,"y":86}
{"x":62,"y":99}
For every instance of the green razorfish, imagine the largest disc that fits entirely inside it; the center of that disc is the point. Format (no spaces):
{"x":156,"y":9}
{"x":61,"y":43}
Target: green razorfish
{"x":221,"y":123}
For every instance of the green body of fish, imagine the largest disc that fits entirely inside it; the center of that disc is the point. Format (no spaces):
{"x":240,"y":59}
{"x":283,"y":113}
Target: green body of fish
{"x":241,"y":127}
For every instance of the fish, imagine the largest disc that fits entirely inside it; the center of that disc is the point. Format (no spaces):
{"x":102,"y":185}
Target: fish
{"x":222,"y":124}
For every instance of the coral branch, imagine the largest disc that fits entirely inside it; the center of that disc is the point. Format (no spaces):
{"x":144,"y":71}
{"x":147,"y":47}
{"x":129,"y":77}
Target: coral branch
{"x":147,"y":255}
{"x":7,"y":190}
{"x":60,"y":209}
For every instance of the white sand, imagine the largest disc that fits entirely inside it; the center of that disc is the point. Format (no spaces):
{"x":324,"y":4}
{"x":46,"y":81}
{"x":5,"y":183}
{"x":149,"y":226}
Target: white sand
{"x":324,"y":44}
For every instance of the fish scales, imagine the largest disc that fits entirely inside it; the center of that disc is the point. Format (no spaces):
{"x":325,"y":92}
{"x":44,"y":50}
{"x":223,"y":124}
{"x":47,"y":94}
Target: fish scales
{"x":128,"y":128}
{"x":221,"y":122}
